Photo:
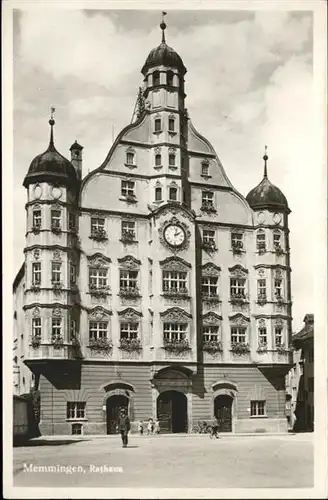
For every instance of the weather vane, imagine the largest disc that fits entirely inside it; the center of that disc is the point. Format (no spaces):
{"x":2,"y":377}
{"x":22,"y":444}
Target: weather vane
{"x":163,"y":26}
{"x":52,"y":110}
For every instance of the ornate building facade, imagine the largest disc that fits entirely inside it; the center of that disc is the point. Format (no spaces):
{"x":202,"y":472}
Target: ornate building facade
{"x":152,"y":283}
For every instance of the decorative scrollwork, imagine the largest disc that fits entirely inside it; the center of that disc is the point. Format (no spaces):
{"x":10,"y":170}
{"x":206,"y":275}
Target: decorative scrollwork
{"x":99,"y":260}
{"x":239,"y":319}
{"x":174,"y":264}
{"x":210,"y":269}
{"x":57,"y":312}
{"x":56,"y":255}
{"x":129,"y":314}
{"x":238,"y":271}
{"x":175,"y":314}
{"x":129,"y":262}
{"x":211,"y":318}
{"x":98,"y":313}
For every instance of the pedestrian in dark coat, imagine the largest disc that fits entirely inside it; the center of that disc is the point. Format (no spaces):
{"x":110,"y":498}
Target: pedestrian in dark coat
{"x":123,"y":425}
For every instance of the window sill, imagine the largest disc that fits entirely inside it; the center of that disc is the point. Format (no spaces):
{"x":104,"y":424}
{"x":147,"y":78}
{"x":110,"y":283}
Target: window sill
{"x":173,"y":167}
{"x":258,"y":416}
{"x":158,"y":167}
{"x":206,"y":176}
{"x":157,"y":132}
{"x":172,"y":132}
{"x":76,"y":420}
{"x":158,"y":202}
{"x":128,"y":242}
{"x":130,"y":165}
{"x":127,"y":199}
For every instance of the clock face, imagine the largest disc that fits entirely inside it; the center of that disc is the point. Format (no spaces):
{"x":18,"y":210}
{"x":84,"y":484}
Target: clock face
{"x":174,"y":235}
{"x":276,"y":218}
{"x":56,"y":192}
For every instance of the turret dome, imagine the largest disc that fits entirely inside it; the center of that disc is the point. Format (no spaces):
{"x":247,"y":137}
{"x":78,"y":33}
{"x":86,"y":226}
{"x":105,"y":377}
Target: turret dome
{"x":51,"y":166}
{"x":266,"y":194}
{"x":163,"y":55}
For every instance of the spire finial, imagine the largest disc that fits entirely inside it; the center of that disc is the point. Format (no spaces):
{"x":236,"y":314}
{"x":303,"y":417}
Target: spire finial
{"x":265,"y":158}
{"x":163,"y":27}
{"x":52,"y":123}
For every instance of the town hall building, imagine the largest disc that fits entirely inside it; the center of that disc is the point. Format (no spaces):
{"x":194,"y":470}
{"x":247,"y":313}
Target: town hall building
{"x":152,"y":283}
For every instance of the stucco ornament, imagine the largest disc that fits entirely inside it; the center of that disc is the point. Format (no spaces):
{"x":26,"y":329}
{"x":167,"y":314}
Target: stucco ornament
{"x":175,"y":264}
{"x":238,"y":271}
{"x":130,"y":314}
{"x":210,"y":269}
{"x":36,"y":312}
{"x":239,"y":320}
{"x":57,"y":312}
{"x":56,"y":255}
{"x":36,"y":254}
{"x":129,"y":262}
{"x":211,"y":319}
{"x":261,"y":272}
{"x":262,"y":323}
{"x":175,"y":314}
{"x":98,"y":313}
{"x":174,"y":222}
{"x":279,"y":322}
{"x":99,"y":260}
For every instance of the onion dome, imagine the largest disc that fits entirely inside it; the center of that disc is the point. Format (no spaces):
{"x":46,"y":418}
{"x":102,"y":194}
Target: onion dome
{"x":163,"y":55}
{"x":266,"y":194}
{"x":51,"y":166}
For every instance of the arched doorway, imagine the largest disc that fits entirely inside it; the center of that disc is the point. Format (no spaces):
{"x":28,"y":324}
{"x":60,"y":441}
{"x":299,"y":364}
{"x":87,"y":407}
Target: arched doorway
{"x":113,"y":406}
{"x":223,"y":412}
{"x":172,"y":411}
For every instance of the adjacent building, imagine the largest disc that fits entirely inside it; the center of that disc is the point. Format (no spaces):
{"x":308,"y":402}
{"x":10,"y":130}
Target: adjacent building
{"x":300,"y":381}
{"x":152,"y":283}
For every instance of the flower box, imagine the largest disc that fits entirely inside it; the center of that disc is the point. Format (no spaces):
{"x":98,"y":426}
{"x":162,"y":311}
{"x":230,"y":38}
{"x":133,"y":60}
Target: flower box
{"x":176,"y":346}
{"x":212,"y":346}
{"x":262,"y":348}
{"x":210,"y":298}
{"x":98,"y":291}
{"x":240,"y":348}
{"x":57,"y":287}
{"x":208,"y":207}
{"x":174,"y":292}
{"x":261,"y":249}
{"x":130,"y":344}
{"x":237,"y":248}
{"x":280,"y":300}
{"x":281,"y":349}
{"x":57,"y":342}
{"x":36,"y":341}
{"x":56,"y":229}
{"x":128,"y":236}
{"x":131,"y":198}
{"x":262,"y":299}
{"x":238,"y":299}
{"x":98,"y":235}
{"x":129,"y":292}
{"x":35,"y":288}
{"x":100,"y":345}
{"x":209,"y":246}
{"x":36,"y":229}
{"x":279,"y":251}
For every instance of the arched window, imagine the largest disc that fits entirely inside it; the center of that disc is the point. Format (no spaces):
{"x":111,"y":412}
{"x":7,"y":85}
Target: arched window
{"x":169,"y":78}
{"x":205,"y":168}
{"x":156,"y":78}
{"x":158,"y":159}
{"x":158,"y":125}
{"x":158,"y":194}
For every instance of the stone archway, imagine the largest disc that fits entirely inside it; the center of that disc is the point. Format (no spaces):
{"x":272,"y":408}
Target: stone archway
{"x":113,"y":406}
{"x":118,"y":394}
{"x":172,"y":411}
{"x":224,"y":404}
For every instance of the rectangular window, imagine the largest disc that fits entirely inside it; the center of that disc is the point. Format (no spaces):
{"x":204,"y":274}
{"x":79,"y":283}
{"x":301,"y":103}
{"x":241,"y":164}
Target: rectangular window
{"x":205,"y":169}
{"x":127,"y":188}
{"x":56,"y":272}
{"x":158,"y":160}
{"x":238,"y":334}
{"x":208,"y":236}
{"x":97,"y":277}
{"x":129,"y":228}
{"x":172,"y":160}
{"x":129,"y":158}
{"x":156,"y":78}
{"x":97,"y":224}
{"x":261,"y":288}
{"x":36,"y":327}
{"x":210,"y":333}
{"x":237,"y":240}
{"x":37,"y":218}
{"x":158,"y":194}
{"x":72,"y":274}
{"x":56,"y":218}
{"x":75,"y":410}
{"x":56,"y":328}
{"x":36,"y":273}
{"x":278,"y":336}
{"x":263,"y":339}
{"x":277,"y":239}
{"x":174,"y":331}
{"x":260,"y":241}
{"x":278,"y":288}
{"x":71,"y":221}
{"x":171,"y":124}
{"x":173,"y":194}
{"x":208,"y":197}
{"x":129,"y":331}
{"x":72,"y":329}
{"x":237,"y":287}
{"x":77,"y":429}
{"x":128,"y":279}
{"x":174,"y":281}
{"x":257,"y":408}
{"x":158,"y":125}
{"x":209,"y":286}
{"x":98,"y":330}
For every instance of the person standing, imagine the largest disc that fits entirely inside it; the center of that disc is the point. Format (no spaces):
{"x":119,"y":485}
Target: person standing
{"x":141,"y":427}
{"x":123,"y":425}
{"x":215,"y":427}
{"x":150,"y":426}
{"x":157,"y":426}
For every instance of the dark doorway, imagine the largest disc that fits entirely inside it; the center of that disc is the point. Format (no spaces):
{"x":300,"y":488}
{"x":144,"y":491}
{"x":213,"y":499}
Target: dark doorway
{"x":223,"y":412}
{"x":113,"y":406}
{"x":172,"y":412}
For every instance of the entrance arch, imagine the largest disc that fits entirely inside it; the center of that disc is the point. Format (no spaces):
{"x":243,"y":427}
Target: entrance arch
{"x":223,"y":411}
{"x":172,"y":411}
{"x":113,"y":406}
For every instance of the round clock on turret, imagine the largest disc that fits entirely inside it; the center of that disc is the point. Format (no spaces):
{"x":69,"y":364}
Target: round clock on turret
{"x":174,"y":235}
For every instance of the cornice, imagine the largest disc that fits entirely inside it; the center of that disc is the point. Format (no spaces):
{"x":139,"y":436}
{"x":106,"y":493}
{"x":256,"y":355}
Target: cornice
{"x":53,"y":305}
{"x":272,"y":316}
{"x":273,"y":266}
{"x":50,"y":202}
{"x":49,"y":247}
{"x":129,"y":174}
{"x":211,"y":186}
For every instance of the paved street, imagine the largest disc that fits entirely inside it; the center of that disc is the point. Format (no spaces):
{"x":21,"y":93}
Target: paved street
{"x":162,"y":462}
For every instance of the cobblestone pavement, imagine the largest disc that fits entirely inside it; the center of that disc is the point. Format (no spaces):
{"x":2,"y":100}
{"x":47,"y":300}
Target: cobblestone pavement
{"x":169,"y":462}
